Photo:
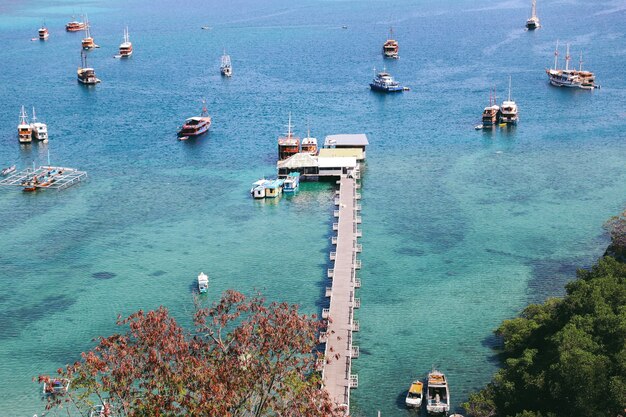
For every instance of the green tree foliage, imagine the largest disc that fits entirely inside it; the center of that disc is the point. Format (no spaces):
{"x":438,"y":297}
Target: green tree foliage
{"x":566,"y":357}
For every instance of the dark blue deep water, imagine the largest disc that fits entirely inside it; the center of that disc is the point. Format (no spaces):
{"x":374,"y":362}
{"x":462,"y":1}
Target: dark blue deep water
{"x":462,"y":228}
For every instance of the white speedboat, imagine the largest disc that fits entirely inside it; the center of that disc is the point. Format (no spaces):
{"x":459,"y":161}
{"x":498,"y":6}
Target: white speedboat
{"x":203,"y":283}
{"x":415,"y":395}
{"x":438,"y":394}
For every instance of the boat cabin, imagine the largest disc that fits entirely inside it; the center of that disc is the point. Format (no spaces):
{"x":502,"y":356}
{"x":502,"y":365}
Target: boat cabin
{"x":288,"y":146}
{"x":273,"y":188}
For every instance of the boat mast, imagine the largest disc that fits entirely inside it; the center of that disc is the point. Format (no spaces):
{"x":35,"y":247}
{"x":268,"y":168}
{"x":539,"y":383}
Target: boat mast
{"x":34,"y":119}
{"x":289,"y":126}
{"x":87,"y":28}
{"x":580,"y":68}
{"x":567,"y":58}
{"x":83,"y":58}
{"x":509,"y":88}
{"x":533,"y":11}
{"x":23,"y":116}
{"x":556,"y":54}
{"x":205,"y":111}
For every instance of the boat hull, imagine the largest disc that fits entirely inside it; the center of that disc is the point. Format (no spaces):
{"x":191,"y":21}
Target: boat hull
{"x":376,"y":87}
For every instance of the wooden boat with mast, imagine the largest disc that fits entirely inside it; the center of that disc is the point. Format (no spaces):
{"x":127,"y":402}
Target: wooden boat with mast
{"x":24,"y":130}
{"x":533,"y":22}
{"x":491,"y":113}
{"x":126,"y":47}
{"x":571,"y":78}
{"x":197,"y":125}
{"x":289,"y":144}
{"x":75,"y":26}
{"x":226,"y":67}
{"x":390,"y":47}
{"x":85,"y":74}
{"x":88,"y":42}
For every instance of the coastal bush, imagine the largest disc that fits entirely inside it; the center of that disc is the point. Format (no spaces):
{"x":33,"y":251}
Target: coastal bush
{"x":565,"y":357}
{"x":244,"y":358}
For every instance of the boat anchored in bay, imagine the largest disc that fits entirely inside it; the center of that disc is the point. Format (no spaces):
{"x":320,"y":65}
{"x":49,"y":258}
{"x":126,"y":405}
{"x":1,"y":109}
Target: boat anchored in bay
{"x":43,"y":33}
{"x":226,"y":68}
{"x":88,"y":42}
{"x":197,"y":125}
{"x":86,"y":75}
{"x":126,"y":47}
{"x":571,"y":78}
{"x":508,"y":111}
{"x":533,"y":22}
{"x":24,"y":130}
{"x":415,"y":395}
{"x":491,"y":113}
{"x":39,"y":129}
{"x":390,"y":47}
{"x":383,"y":81}
{"x":438,"y":394}
{"x":75,"y":26}
{"x":203,"y":283}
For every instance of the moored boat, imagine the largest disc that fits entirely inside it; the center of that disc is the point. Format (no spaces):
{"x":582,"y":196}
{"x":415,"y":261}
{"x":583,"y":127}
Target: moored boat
{"x":75,"y":26}
{"x":309,"y":144}
{"x":390,"y":47}
{"x":533,"y":21}
{"x":289,"y":144}
{"x":384,"y":82}
{"x":292,"y":182}
{"x":24,"y":130}
{"x":43,"y":33}
{"x":258,"y":189}
{"x":491,"y":113}
{"x":197,"y":125}
{"x":415,"y":395}
{"x":8,"y":170}
{"x":203,"y":282}
{"x":85,"y":74}
{"x":274,"y":188}
{"x":56,"y":386}
{"x":126,"y":47}
{"x":226,"y":67}
{"x":438,"y":394}
{"x":88,"y":42}
{"x":40,"y":130}
{"x":508,"y":110}
{"x":571,"y":78}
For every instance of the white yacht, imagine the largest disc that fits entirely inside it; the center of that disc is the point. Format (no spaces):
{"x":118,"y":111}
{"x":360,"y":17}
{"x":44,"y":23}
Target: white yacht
{"x":24,"y":130}
{"x":508,"y":110}
{"x":533,"y":22}
{"x":567,"y":77}
{"x":438,"y":395}
{"x":126,"y":47}
{"x":40,"y":130}
{"x":203,"y":282}
{"x":226,"y":67}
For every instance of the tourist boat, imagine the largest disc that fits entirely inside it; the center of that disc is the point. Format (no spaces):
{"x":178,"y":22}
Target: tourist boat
{"x":24,"y":130}
{"x":384,"y":82}
{"x":508,"y":111}
{"x":203,"y":283}
{"x":88,"y":42}
{"x":491,"y":113}
{"x":437,"y":394}
{"x":197,"y":125}
{"x":533,"y":22}
{"x":40,"y":130}
{"x":6,"y":171}
{"x":258,"y":189}
{"x":289,"y":144}
{"x":309,"y":144}
{"x":75,"y":26}
{"x":85,"y":74}
{"x":572,"y":78}
{"x":390,"y":47}
{"x":56,"y":386}
{"x":126,"y":47}
{"x":415,"y":394}
{"x":43,"y":33}
{"x":226,"y":68}
{"x":292,"y":182}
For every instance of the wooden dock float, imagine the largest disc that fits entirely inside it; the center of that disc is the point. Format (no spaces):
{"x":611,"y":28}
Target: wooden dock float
{"x":337,"y":374}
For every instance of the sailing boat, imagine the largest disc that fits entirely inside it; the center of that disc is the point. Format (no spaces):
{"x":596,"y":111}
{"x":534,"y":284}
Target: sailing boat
{"x":508,"y":111}
{"x":533,"y":22}
{"x":491,"y":112}
{"x":85,"y":74}
{"x":390,"y":47}
{"x":226,"y":67}
{"x":88,"y":42}
{"x":126,"y":47}
{"x":567,"y":77}
{"x":289,"y":144}
{"x":24,"y":131}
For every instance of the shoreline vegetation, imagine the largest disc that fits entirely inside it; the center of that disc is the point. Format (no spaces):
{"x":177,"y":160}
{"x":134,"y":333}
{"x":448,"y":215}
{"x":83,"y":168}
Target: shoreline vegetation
{"x":567,"y":356}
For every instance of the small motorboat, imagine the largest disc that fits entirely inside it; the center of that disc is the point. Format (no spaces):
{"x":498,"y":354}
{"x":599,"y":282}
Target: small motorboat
{"x":206,"y":28}
{"x":203,"y":283}
{"x":56,"y":386}
{"x":415,"y":395}
{"x":183,"y":138}
{"x":8,"y":170}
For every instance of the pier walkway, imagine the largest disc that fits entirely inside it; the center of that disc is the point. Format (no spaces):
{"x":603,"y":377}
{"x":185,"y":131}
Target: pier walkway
{"x":339,"y":352}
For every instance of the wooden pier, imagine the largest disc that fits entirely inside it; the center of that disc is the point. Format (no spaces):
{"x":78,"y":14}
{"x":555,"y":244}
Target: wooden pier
{"x":337,"y":374}
{"x":56,"y":178}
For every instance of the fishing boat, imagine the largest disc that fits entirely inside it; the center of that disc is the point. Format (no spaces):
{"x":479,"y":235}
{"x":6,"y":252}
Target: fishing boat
{"x":8,"y":170}
{"x":533,"y":21}
{"x":56,"y":386}
{"x":88,"y":42}
{"x":258,"y":189}
{"x":571,"y":78}
{"x":75,"y":26}
{"x":415,"y":395}
{"x":508,"y":111}
{"x":491,"y":113}
{"x":383,"y":81}
{"x":197,"y":125}
{"x":292,"y":182}
{"x":390,"y":47}
{"x":289,"y":144}
{"x":43,"y":33}
{"x":226,"y":68}
{"x":438,"y":394}
{"x":85,"y":74}
{"x":126,"y":47}
{"x":203,"y":283}
{"x":40,"y":130}
{"x":24,"y":130}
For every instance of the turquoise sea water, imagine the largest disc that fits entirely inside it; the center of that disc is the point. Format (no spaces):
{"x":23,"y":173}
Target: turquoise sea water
{"x":461,"y":228}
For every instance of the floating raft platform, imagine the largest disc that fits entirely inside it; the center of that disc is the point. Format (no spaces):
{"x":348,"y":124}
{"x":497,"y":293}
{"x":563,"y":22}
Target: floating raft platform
{"x":57,"y":178}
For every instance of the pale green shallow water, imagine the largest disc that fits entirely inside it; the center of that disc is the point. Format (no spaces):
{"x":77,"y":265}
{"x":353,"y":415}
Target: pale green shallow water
{"x":461,"y":228}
